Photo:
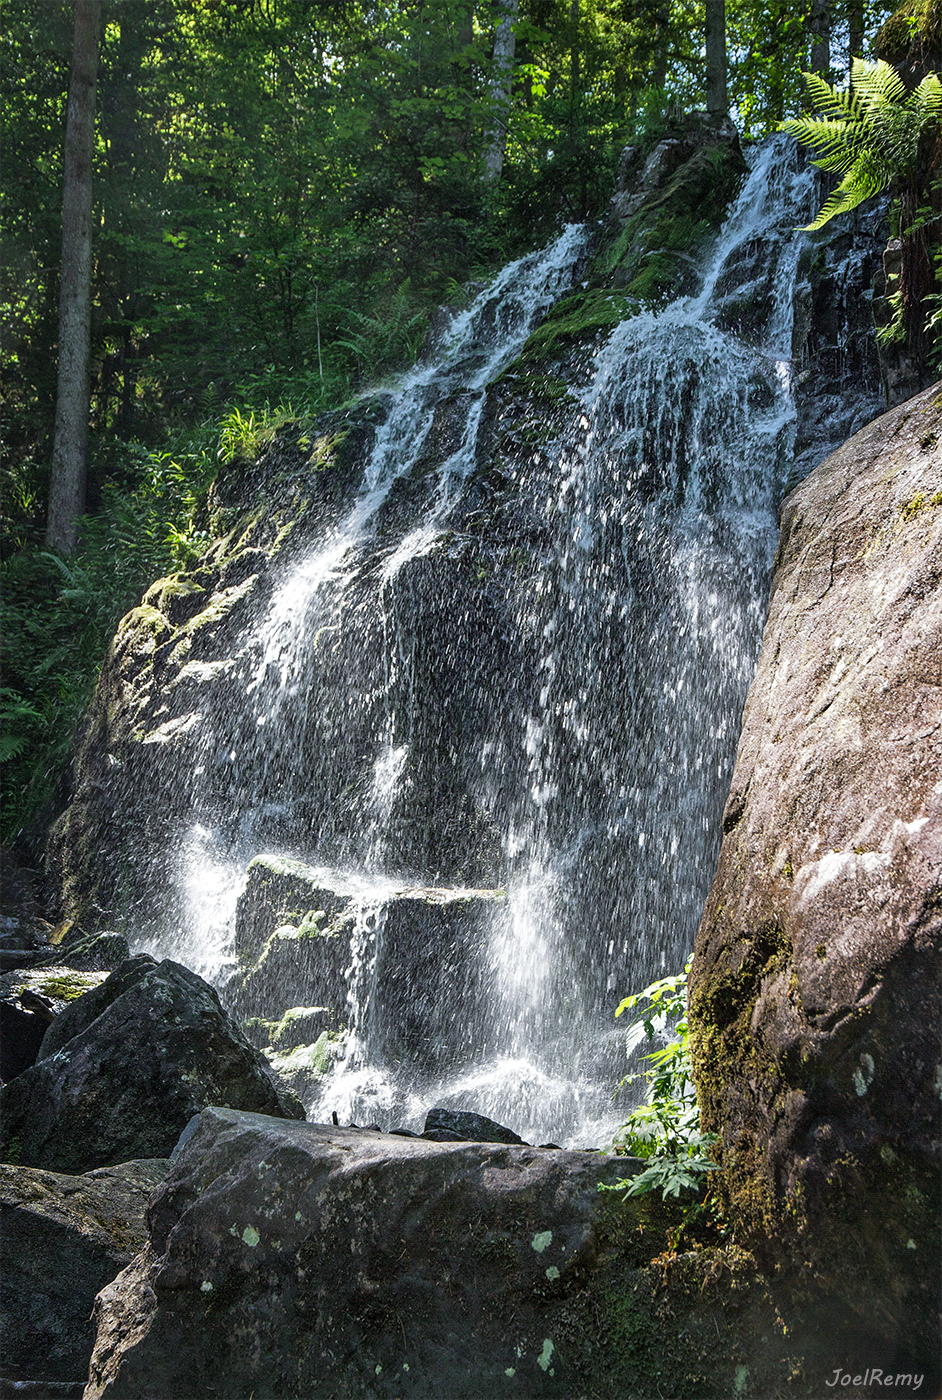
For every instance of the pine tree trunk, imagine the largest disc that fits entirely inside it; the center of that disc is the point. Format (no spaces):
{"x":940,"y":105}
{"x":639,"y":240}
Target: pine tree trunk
{"x":819,"y":26}
{"x":505,"y":42}
{"x":717,"y":101}
{"x":67,"y":484}
{"x":661,"y":43}
{"x":855,"y":28}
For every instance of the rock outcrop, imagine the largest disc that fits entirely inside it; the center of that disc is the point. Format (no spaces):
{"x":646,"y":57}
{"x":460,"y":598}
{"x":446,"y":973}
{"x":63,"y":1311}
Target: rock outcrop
{"x":815,"y":986}
{"x":64,"y":1238}
{"x":123,"y":1069}
{"x":306,"y":937}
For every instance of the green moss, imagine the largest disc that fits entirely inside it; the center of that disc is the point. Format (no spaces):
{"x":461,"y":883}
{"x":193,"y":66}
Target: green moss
{"x":69,"y":986}
{"x":722,"y":1046}
{"x":162,"y":594}
{"x":655,"y":253}
{"x":918,"y":504}
{"x":317,"y":1058}
{"x":915,"y":22}
{"x":575,"y":317}
{"x":324,"y":452}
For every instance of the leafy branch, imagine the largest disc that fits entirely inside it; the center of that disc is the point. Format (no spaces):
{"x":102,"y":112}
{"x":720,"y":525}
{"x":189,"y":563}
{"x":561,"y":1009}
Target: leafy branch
{"x":665,"y":1129}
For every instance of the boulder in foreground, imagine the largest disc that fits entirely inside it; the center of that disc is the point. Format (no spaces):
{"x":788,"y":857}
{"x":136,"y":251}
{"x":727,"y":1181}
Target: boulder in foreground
{"x":64,"y":1238}
{"x":123,"y":1069}
{"x":292,"y":1259}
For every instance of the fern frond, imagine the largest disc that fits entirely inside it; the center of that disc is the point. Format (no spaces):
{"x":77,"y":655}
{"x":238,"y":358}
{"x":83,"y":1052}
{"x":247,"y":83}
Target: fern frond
{"x":866,"y":179}
{"x":830,"y":101}
{"x":927,"y":98}
{"x":876,"y":84}
{"x":836,"y":141}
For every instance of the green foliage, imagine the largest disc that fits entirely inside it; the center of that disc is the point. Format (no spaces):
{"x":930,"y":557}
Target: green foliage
{"x":58,"y":615}
{"x":870,"y":135}
{"x":665,"y":1129}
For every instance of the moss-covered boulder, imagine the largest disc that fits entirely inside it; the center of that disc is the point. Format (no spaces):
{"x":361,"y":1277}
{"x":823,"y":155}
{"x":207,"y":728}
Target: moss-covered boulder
{"x":815,"y":985}
{"x":30,"y":1000}
{"x":64,"y":1238}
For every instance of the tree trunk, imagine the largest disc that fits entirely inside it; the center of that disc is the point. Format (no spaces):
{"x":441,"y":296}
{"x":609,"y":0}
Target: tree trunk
{"x":717,"y":101}
{"x":855,"y":27}
{"x":505,"y":42}
{"x":661,"y":44}
{"x":67,"y":485}
{"x":819,"y":26}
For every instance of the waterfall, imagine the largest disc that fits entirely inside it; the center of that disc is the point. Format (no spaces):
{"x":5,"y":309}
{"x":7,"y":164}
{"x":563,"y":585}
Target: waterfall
{"x":524,"y":669}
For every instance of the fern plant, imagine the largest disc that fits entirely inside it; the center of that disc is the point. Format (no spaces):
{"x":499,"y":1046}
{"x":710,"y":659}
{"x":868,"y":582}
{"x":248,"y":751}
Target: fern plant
{"x":870,"y":135}
{"x":876,"y":137}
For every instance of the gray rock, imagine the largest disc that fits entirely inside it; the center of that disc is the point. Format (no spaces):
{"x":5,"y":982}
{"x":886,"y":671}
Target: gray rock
{"x":472,"y":1127}
{"x":815,"y":986}
{"x":30,"y":1001}
{"x":413,"y":938}
{"x":89,"y":952}
{"x":64,"y":1238}
{"x":396,"y":1267}
{"x":128,"y":1066}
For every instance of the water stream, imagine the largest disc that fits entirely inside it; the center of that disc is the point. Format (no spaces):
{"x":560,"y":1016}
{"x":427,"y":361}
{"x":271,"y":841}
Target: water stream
{"x":570,"y":742}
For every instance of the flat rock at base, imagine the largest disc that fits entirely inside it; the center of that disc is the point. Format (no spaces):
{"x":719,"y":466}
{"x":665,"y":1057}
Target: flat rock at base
{"x":64,"y":1238}
{"x":472,"y":1127}
{"x":290,"y":1259}
{"x":126,"y":1066}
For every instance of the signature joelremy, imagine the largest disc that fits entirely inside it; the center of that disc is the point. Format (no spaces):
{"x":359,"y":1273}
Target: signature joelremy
{"x":874,"y":1376}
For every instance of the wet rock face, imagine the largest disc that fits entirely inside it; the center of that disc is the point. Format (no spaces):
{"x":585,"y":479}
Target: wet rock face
{"x":814,"y":989}
{"x":125,"y":1067}
{"x":64,"y":1238}
{"x":307,"y":937}
{"x":396,"y":1267}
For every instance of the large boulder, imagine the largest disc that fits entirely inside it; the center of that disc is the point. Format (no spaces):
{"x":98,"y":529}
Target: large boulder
{"x":814,"y":997}
{"x":293,"y":1259}
{"x":124,"y":1068}
{"x":289,"y":1259}
{"x":64,"y":1238}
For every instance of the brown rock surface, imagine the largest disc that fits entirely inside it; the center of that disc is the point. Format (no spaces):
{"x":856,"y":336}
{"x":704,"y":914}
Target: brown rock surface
{"x":815,"y":985}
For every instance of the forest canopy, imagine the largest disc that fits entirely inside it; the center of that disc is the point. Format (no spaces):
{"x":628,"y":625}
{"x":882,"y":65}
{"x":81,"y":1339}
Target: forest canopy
{"x":282,"y":193}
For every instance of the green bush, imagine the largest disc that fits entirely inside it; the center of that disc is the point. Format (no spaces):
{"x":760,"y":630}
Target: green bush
{"x":665,"y":1128}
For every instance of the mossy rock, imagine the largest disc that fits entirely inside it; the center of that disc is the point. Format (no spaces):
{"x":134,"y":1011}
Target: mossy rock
{"x":654,"y":255}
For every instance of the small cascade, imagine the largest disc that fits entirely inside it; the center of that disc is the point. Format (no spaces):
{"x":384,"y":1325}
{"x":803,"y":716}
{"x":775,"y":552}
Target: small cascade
{"x":508,"y":686}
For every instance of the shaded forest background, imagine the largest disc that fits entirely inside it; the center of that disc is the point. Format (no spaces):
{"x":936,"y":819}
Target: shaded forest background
{"x":284,"y":193}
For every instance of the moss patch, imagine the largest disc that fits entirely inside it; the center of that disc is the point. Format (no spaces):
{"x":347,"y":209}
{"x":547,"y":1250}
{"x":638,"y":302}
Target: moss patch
{"x":577,"y":316}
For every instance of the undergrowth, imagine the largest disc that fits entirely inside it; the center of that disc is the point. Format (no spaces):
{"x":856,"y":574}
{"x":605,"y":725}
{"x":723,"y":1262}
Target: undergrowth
{"x":664,"y":1130}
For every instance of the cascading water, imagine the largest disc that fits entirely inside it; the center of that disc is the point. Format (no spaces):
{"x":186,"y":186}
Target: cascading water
{"x":569,"y":734}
